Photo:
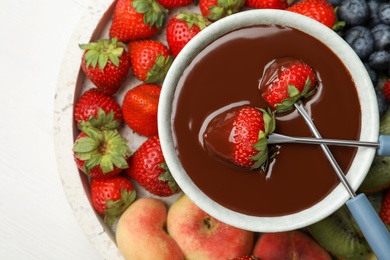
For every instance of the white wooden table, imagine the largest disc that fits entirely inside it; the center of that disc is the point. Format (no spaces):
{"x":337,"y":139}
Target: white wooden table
{"x":36,"y":221}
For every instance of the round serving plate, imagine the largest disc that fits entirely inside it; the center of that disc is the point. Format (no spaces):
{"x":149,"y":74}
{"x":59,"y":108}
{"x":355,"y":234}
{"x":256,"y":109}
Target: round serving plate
{"x":72,"y":82}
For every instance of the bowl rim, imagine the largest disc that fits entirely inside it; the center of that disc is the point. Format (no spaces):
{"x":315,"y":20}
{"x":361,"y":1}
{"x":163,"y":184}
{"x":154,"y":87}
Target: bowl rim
{"x":369,"y":119}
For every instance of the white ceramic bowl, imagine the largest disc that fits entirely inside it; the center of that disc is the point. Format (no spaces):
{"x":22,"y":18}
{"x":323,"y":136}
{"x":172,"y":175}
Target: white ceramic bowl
{"x":369,"y":120}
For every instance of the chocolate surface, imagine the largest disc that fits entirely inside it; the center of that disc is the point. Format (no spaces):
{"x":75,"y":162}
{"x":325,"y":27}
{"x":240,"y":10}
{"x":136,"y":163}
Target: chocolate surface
{"x":226,"y":74}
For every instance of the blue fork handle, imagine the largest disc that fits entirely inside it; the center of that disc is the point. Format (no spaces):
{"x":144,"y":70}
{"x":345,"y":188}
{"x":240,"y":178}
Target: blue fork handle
{"x":372,"y":227}
{"x":384,"y":145}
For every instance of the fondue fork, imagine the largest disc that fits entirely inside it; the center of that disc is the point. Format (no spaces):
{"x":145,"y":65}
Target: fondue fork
{"x":372,"y":227}
{"x":383,"y":144}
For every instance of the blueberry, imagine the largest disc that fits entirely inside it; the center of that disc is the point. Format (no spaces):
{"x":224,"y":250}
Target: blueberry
{"x":382,"y":102}
{"x":379,"y":60}
{"x":384,"y":12}
{"x":373,"y":5}
{"x":361,"y":40}
{"x":372,"y":73}
{"x":335,"y":2}
{"x":381,"y":33}
{"x":353,"y":12}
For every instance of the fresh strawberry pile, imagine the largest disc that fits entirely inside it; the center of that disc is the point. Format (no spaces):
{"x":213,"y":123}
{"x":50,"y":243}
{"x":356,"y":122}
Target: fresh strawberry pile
{"x":131,"y":50}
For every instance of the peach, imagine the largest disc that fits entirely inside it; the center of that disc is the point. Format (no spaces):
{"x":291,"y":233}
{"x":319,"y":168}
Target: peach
{"x":289,"y":245}
{"x":201,"y":236}
{"x":141,"y":232}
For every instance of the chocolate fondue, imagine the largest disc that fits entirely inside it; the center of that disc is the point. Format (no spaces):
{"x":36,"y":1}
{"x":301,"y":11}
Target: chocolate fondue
{"x":226,"y":74}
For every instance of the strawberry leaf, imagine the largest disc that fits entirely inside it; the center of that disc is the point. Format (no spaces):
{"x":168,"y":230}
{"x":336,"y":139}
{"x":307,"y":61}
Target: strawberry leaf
{"x":160,"y":68}
{"x":103,"y":148}
{"x":166,"y":176}
{"x":193,"y":19}
{"x":115,"y":208}
{"x":102,"y":51}
{"x":103,"y":121}
{"x":154,"y":13}
{"x":224,"y":8}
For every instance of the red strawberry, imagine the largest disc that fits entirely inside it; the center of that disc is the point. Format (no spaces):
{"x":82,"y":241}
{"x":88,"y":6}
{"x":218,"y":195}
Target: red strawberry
{"x":319,"y":10}
{"x":97,"y":110}
{"x":386,"y":90}
{"x":384,"y":212}
{"x":169,"y":4}
{"x":106,"y":63}
{"x":136,"y":19}
{"x":101,"y":153}
{"x":247,"y":257}
{"x":147,"y":166}
{"x":139,"y":108}
{"x":267,"y":4}
{"x":150,"y":60}
{"x":217,"y":9}
{"x":111,"y":196}
{"x":285,"y":81}
{"x":239,"y":135}
{"x":182,"y":27}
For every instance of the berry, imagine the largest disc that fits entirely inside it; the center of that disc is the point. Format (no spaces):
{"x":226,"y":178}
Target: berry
{"x":372,"y":73}
{"x":106,"y":63}
{"x":335,"y":2}
{"x":147,"y":166}
{"x":383,"y":102}
{"x":319,"y":10}
{"x":97,"y":110}
{"x":182,"y":27}
{"x":267,"y":4}
{"x":169,"y":4}
{"x":101,"y":153}
{"x":373,"y":5}
{"x":353,"y":12}
{"x":285,"y":81}
{"x":243,"y":131}
{"x":379,"y":60}
{"x":111,"y":197}
{"x":381,"y":33}
{"x":361,"y":40}
{"x":384,"y":212}
{"x":139,"y":108}
{"x":150,"y":60}
{"x":386,"y":90}
{"x":384,"y":13}
{"x":136,"y":19}
{"x":217,"y":9}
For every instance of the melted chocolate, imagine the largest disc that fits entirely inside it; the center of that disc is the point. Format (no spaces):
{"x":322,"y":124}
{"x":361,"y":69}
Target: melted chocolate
{"x":226,"y":74}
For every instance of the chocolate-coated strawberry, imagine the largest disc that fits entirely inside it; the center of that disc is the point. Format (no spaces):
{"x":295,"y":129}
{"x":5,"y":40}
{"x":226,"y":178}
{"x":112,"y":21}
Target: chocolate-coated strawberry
{"x":97,"y":110}
{"x":139,"y":108}
{"x":150,"y":60}
{"x":136,"y":19}
{"x":106,"y":63}
{"x":239,"y":135}
{"x":285,"y":81}
{"x":182,"y":27}
{"x":147,"y":166}
{"x":110,"y":197}
{"x":101,"y":153}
